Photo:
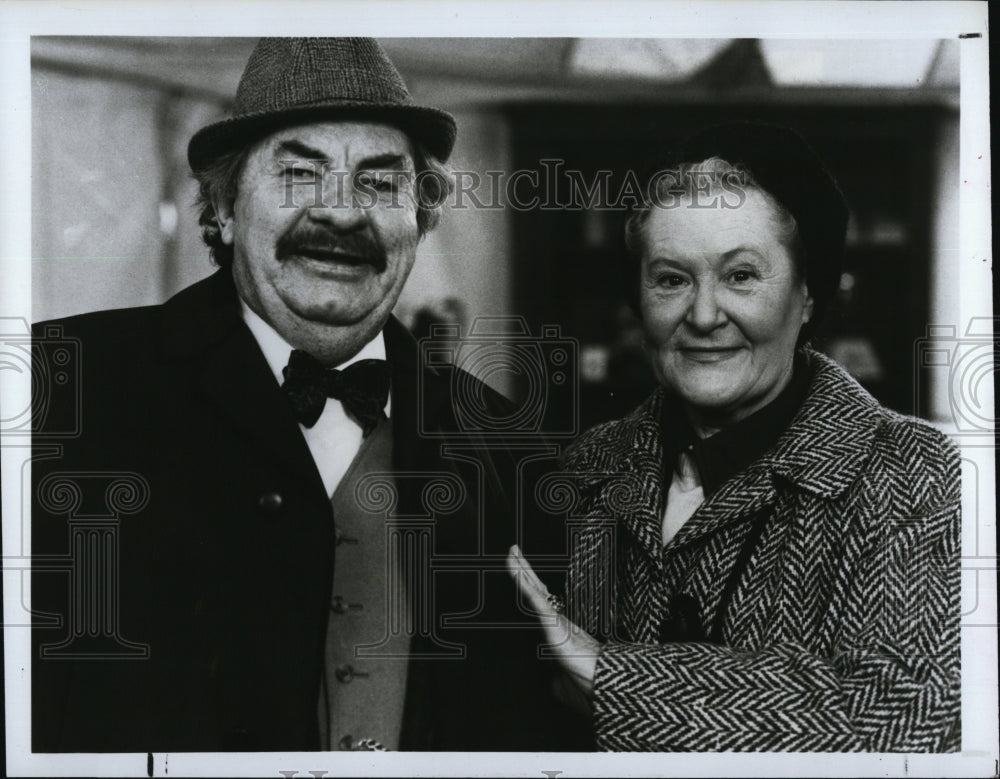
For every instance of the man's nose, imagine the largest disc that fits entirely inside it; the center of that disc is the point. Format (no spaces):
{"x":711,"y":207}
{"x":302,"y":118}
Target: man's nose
{"x":342,"y":208}
{"x":704,"y":312}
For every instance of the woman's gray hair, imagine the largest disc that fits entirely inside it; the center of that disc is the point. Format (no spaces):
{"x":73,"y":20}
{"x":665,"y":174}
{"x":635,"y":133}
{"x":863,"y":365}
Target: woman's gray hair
{"x":688,"y":181}
{"x":218,"y":182}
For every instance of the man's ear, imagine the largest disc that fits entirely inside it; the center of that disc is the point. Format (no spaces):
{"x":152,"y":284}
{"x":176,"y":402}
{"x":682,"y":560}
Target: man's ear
{"x":224,"y":218}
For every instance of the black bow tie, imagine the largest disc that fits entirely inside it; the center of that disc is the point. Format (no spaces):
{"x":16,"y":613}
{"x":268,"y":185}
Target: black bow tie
{"x":363,"y":388}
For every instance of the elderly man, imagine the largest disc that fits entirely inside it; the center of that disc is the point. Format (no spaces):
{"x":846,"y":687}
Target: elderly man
{"x":257,"y":492}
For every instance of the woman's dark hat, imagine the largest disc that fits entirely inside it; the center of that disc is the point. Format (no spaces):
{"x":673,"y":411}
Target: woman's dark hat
{"x":787,"y":168}
{"x":291,"y":80}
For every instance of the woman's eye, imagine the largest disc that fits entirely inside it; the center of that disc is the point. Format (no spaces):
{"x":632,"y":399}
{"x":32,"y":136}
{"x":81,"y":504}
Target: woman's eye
{"x":670,"y":280}
{"x":741,"y":276}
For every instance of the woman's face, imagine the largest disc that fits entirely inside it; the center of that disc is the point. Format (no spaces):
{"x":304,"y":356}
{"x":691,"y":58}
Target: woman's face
{"x":721,"y":304}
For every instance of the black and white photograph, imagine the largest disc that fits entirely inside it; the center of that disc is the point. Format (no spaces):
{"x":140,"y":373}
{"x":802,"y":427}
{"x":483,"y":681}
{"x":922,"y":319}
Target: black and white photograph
{"x":462,"y":389}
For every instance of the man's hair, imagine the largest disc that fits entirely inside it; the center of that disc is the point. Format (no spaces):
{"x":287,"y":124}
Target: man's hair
{"x":218,"y":182}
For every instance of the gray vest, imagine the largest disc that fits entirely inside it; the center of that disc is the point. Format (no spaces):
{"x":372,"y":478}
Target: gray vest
{"x":364,"y":683}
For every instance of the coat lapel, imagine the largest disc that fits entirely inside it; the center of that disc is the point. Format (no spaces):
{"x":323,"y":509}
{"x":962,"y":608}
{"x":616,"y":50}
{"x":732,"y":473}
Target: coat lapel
{"x":821,"y":453}
{"x":407,"y":390}
{"x":422,"y":412}
{"x":416,"y":400}
{"x":203,"y":330}
{"x":620,"y":478}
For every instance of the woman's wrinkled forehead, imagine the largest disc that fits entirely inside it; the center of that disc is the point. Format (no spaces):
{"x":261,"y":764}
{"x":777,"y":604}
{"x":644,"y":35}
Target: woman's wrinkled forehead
{"x":713,"y":188}
{"x":694,"y":229}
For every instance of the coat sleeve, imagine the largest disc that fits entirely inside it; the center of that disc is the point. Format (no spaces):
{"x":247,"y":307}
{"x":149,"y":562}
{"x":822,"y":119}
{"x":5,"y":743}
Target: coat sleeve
{"x":891,"y":683}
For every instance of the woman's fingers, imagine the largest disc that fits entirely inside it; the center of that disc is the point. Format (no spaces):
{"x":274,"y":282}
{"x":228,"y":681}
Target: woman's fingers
{"x":576,"y":650}
{"x":524,"y":567}
{"x":530,"y":586}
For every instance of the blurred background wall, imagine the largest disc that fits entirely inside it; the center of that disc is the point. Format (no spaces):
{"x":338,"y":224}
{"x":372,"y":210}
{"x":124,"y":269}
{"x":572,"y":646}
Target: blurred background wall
{"x":113,"y":221}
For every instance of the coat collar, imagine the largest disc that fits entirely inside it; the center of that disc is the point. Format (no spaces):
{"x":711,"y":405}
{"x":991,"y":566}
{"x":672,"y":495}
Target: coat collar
{"x":822,"y":453}
{"x":832,"y":436}
{"x":198,"y":318}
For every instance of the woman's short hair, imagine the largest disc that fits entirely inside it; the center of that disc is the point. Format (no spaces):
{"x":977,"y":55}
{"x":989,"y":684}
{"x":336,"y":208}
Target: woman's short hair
{"x":811,"y":213}
{"x":218,"y":182}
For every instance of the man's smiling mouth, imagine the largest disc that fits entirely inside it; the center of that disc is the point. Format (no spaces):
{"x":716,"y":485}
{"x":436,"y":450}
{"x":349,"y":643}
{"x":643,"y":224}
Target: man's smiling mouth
{"x":335,"y":260}
{"x":332,"y":256}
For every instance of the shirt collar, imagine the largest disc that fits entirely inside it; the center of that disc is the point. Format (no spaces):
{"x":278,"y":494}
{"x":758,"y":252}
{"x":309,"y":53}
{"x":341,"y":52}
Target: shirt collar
{"x":734,"y":448}
{"x":277,"y":350}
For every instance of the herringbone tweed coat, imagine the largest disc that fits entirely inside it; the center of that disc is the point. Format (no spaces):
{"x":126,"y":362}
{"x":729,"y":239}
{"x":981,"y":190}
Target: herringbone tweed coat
{"x":839,"y":631}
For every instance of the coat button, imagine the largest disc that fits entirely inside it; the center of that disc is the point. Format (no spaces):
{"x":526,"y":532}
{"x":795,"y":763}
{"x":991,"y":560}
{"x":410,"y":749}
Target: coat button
{"x":270,"y":502}
{"x":339,"y":537}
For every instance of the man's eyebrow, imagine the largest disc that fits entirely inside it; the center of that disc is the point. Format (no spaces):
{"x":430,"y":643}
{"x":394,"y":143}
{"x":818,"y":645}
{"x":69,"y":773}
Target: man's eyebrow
{"x":388,"y":161}
{"x":299,"y":149}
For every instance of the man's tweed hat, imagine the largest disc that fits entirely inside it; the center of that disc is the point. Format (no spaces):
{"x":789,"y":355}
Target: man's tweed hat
{"x":292,"y":80}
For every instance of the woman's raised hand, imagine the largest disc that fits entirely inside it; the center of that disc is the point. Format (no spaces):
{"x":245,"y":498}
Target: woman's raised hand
{"x":575,"y":650}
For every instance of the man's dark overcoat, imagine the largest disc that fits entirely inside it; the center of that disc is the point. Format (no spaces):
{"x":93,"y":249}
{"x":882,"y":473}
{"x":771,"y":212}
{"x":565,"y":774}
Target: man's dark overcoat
{"x":184,"y":445}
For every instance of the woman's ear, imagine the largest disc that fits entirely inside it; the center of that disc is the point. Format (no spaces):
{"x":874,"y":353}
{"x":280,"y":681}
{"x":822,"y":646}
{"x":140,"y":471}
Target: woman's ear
{"x":807,"y":305}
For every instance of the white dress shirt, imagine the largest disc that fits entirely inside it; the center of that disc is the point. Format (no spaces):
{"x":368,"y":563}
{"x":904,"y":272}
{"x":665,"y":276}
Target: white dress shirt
{"x":335,"y":438}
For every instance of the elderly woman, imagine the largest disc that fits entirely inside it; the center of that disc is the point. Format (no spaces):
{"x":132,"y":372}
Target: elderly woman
{"x":769,"y":559}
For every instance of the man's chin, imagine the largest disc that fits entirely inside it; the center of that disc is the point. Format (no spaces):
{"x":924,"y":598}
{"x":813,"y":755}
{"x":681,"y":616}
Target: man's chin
{"x":336,"y":316}
{"x":341,"y":311}
{"x":333,"y":333}
{"x":332,"y":300}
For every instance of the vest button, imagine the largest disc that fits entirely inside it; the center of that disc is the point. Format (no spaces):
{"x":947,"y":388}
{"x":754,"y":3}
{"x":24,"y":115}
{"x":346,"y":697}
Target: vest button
{"x":346,"y":743}
{"x":344,"y":673}
{"x":270,"y":502}
{"x":339,"y":606}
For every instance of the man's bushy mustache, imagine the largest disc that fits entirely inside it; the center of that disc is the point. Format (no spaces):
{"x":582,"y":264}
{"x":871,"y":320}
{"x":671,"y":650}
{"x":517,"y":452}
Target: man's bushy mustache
{"x":309,"y":240}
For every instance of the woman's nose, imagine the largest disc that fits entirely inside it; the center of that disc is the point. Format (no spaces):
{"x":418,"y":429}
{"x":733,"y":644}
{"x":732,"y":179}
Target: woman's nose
{"x":704,"y":312}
